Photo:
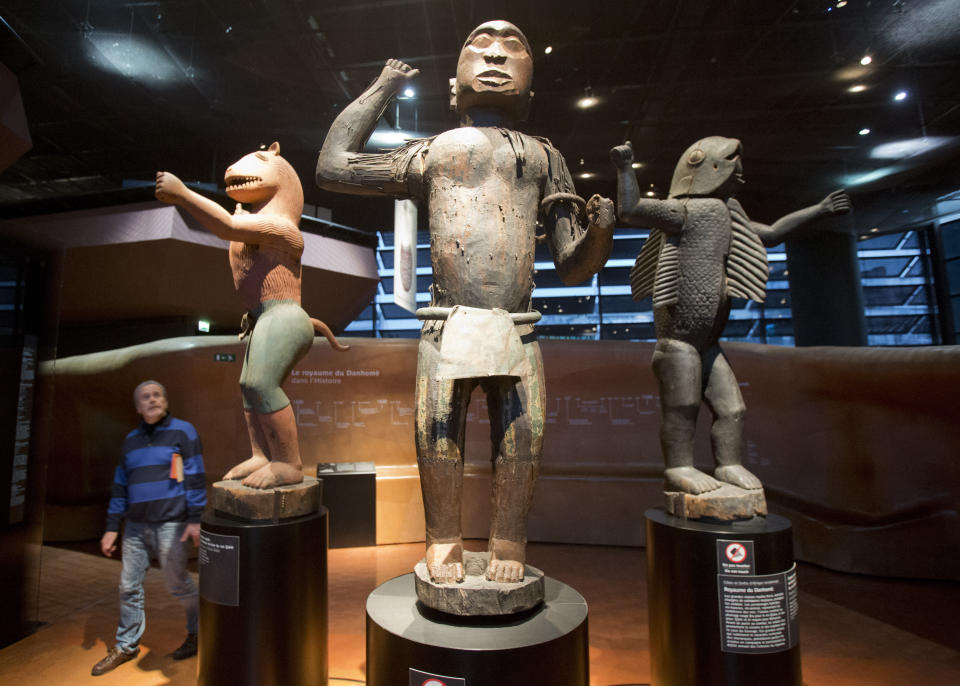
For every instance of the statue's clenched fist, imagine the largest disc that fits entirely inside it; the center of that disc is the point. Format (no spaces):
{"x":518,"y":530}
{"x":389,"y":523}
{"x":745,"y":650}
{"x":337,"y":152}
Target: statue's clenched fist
{"x":837,"y":202}
{"x":169,"y":188}
{"x":600,"y":211}
{"x":397,"y":73}
{"x":622,"y":155}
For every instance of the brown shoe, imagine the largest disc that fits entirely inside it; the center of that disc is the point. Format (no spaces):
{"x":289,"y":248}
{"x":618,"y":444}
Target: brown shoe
{"x":115,"y":657}
{"x":188,"y":649}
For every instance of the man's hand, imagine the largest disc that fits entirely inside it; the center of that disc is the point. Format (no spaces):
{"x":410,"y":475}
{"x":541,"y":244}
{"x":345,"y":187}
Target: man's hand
{"x":837,"y":202}
{"x":396,"y":74}
{"x":192,"y":531}
{"x":600,"y":212}
{"x":622,"y":155}
{"x":108,"y":543}
{"x":169,"y":188}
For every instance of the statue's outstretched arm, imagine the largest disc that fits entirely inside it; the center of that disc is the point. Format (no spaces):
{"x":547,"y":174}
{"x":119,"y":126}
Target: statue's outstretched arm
{"x":241,"y":226}
{"x":666,"y":215}
{"x":341,"y":167}
{"x":801,"y":221}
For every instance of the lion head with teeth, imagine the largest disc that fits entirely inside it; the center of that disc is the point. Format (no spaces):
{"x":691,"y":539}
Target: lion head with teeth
{"x":263,"y":177}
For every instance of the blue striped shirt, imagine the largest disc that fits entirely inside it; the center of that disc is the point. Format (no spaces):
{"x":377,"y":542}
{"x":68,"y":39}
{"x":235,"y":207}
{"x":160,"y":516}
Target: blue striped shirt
{"x":142,"y":488}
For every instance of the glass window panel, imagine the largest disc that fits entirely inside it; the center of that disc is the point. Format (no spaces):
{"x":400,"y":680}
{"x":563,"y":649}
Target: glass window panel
{"x":737,"y":328}
{"x":896,"y":324}
{"x":777,"y":298}
{"x":878,"y":267}
{"x":626,"y":249}
{"x":887,"y":295}
{"x":548,"y":279}
{"x":953,"y":276}
{"x":887,"y":241}
{"x":625,"y":303}
{"x":950,"y":238}
{"x":912,"y":241}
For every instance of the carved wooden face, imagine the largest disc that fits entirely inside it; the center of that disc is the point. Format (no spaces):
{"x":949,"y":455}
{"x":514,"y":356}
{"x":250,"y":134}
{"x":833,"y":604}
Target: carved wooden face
{"x":255,"y":176}
{"x":495,"y":69}
{"x":709,"y":167}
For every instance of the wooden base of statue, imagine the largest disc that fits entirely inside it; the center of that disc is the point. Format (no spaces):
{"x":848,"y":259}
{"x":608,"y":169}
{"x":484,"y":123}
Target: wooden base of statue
{"x":263,"y":587}
{"x":722,"y":599}
{"x":726,"y":503}
{"x":476,"y":596}
{"x":408,"y":643}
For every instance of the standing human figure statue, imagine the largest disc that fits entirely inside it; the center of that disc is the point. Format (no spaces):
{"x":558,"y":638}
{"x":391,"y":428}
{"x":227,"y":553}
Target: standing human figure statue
{"x":265,"y":250}
{"x":485,"y":185}
{"x":702,"y":251}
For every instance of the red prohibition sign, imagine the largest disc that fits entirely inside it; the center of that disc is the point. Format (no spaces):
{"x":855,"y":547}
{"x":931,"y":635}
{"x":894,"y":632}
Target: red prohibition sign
{"x":433,"y":682}
{"x":736,"y":553}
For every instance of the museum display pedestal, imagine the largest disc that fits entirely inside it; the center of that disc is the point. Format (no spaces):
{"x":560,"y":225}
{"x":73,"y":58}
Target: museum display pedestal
{"x":263,"y":588}
{"x":409,"y":644}
{"x":723,"y":602}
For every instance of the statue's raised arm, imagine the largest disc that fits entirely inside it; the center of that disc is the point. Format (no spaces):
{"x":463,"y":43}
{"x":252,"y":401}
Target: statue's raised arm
{"x":341,"y":166}
{"x":666,"y":215}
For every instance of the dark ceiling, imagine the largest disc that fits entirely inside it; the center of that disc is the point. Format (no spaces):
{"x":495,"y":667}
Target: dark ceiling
{"x":114,"y":89}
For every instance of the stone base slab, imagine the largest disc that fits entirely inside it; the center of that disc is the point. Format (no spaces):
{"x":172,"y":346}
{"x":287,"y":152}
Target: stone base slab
{"x":726,"y":503}
{"x":475,"y":595}
{"x":233,"y":499}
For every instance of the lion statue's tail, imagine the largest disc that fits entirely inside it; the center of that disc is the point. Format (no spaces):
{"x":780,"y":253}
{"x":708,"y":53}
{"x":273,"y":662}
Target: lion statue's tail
{"x":320,"y":327}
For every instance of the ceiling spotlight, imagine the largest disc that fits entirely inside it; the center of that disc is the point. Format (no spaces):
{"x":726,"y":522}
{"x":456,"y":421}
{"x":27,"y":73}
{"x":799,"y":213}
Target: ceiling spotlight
{"x":588,"y":99}
{"x":900,"y":96}
{"x":841,"y":3}
{"x":586,"y":175}
{"x":637,"y":165}
{"x":864,"y":131}
{"x":857,"y":88}
{"x":547,"y":50}
{"x":865,"y":60}
{"x":409,"y":92}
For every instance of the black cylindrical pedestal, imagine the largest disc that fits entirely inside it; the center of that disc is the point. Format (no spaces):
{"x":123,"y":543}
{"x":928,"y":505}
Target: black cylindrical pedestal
{"x":548,"y":646}
{"x":685,"y":591}
{"x":263,"y":622}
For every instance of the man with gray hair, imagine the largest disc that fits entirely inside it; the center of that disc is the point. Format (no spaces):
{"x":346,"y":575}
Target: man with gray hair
{"x":159,"y":487}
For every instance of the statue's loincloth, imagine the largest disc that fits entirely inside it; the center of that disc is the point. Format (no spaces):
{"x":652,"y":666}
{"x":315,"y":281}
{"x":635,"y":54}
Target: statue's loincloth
{"x":477,"y":343}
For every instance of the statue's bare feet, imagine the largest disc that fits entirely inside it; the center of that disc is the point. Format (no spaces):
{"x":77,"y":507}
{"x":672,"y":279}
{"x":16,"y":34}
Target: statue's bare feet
{"x":505,"y":571}
{"x":445,"y":562}
{"x":274,"y":474}
{"x":246,"y":468}
{"x":689,"y":480}
{"x":738,"y":476}
{"x":506,"y":561}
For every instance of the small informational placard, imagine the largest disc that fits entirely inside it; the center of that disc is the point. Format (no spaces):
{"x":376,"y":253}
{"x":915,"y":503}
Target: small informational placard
{"x":218,"y":561}
{"x":418,"y":678}
{"x":224,"y":357}
{"x":735,"y":557}
{"x":758,"y":613}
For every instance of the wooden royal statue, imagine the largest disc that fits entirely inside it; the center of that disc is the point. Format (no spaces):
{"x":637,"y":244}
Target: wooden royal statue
{"x":484,"y":185}
{"x":702,"y":251}
{"x":265,"y":250}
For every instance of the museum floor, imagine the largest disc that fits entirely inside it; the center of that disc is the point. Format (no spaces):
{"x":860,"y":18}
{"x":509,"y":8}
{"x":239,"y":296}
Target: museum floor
{"x":855,"y":630}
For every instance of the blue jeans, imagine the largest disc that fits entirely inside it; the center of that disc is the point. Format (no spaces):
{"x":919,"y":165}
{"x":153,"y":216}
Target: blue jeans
{"x":139,"y":541}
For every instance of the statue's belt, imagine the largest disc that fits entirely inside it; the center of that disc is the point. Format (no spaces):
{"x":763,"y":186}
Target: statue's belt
{"x":478,"y":343}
